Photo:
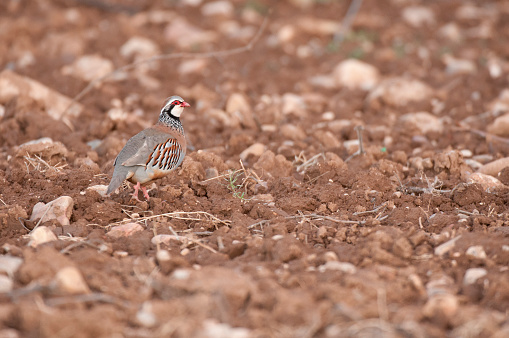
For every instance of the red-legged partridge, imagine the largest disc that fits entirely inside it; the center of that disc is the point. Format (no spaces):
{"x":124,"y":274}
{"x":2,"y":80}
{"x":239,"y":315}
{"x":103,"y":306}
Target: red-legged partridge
{"x":154,"y":152}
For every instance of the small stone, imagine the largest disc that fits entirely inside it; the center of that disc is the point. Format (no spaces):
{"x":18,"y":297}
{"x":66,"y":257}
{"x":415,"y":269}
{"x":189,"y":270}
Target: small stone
{"x":263,"y":198}
{"x":355,"y":74}
{"x":317,"y":26}
{"x":145,"y":316}
{"x":100,"y":189}
{"x":277,"y":237}
{"x":40,"y":236}
{"x":10,"y":264}
{"x":444,"y":248}
{"x":330,"y":256}
{"x":292,"y":132}
{"x":162,"y":239}
{"x":424,"y":122}
{"x":44,"y":147}
{"x":476,"y":251}
{"x":323,"y":81}
{"x":451,"y":31}
{"x":475,"y":165}
{"x":181,"y":274}
{"x":163,"y":255}
{"x":6,"y":284}
{"x":488,"y":183}
{"x":351,"y":146}
{"x":467,"y":153}
{"x":458,"y":66}
{"x":69,"y":281}
{"x":500,"y":126}
{"x":473,"y":274}
{"x":212,"y":328}
{"x":441,"y":307}
{"x":398,"y":92}
{"x":185,"y":35}
{"x":417,"y":283}
{"x":120,"y":254}
{"x":59,"y":209}
{"x":286,"y":33}
{"x":192,"y":66}
{"x":224,"y":8}
{"x":322,"y":232}
{"x":89,"y":67}
{"x":139,"y":47}
{"x":328,"y":140}
{"x":418,"y":16}
{"x":293,"y":104}
{"x":338,"y":266}
{"x":21,"y":88}
{"x":238,"y":108}
{"x":328,"y":116}
{"x":124,"y":230}
{"x":254,"y":150}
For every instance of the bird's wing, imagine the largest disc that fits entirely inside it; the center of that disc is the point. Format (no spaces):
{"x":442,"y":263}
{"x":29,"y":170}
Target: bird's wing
{"x":138,"y":149}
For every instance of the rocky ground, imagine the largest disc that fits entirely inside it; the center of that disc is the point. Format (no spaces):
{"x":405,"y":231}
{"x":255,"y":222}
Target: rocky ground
{"x":277,"y":224}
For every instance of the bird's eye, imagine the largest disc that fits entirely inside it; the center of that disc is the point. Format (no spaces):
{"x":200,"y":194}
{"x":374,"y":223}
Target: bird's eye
{"x":176,"y":102}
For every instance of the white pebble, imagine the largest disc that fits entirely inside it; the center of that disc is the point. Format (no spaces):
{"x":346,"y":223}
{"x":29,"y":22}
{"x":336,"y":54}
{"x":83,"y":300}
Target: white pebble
{"x":40,"y":236}
{"x":473,"y":274}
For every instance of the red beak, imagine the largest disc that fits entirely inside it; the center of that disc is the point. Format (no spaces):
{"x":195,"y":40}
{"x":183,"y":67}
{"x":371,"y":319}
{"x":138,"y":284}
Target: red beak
{"x":185,"y":104}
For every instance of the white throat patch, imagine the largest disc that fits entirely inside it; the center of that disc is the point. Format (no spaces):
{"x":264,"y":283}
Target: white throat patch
{"x":177,"y":110}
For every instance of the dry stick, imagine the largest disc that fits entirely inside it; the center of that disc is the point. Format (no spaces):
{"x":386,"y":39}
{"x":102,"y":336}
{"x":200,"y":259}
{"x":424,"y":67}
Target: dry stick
{"x":312,"y":217}
{"x":48,"y":206}
{"x":77,"y":244}
{"x":355,"y":5}
{"x":182,"y":239}
{"x":370,"y":211}
{"x":221,"y":53}
{"x":361,"y":151}
{"x":175,"y":215}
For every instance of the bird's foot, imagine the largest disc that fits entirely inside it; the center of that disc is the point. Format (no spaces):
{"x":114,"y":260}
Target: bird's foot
{"x":135,"y":193}
{"x":145,"y":193}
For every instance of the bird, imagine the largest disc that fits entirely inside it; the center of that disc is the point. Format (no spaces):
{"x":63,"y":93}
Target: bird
{"x":154,"y":152}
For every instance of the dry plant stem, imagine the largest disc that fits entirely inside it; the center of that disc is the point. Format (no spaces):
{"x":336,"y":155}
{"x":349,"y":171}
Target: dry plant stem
{"x":370,"y":211}
{"x":183,"y":239}
{"x":308,"y":163}
{"x":77,"y":244}
{"x":361,"y":151}
{"x":178,"y":215}
{"x":182,"y":55}
{"x":26,"y":290}
{"x":312,"y":217}
{"x":354,"y":7}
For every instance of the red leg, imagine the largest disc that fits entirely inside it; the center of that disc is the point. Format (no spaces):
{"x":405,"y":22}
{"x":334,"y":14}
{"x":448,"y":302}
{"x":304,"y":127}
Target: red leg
{"x":135,"y":193}
{"x":145,"y":193}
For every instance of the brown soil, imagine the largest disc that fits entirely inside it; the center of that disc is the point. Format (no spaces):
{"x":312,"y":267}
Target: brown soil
{"x":272,"y":263}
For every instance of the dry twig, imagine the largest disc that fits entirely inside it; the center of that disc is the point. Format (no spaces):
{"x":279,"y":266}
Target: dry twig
{"x":183,"y":215}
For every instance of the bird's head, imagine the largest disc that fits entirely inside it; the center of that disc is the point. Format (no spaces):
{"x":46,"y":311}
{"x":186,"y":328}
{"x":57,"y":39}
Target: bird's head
{"x":173,"y":107}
